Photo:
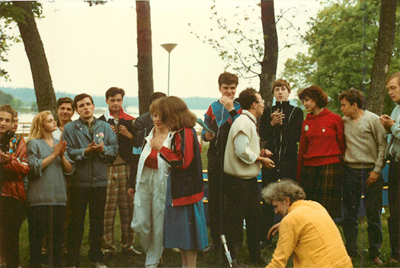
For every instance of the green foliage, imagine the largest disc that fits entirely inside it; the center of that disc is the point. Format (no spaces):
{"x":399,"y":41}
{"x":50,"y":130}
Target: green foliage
{"x":342,"y":41}
{"x":8,"y":16}
{"x":10,"y":100}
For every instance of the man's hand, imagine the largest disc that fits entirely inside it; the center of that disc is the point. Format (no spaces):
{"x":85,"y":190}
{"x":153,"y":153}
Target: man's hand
{"x":156,"y":144}
{"x":373,"y":178}
{"x":113,"y":129}
{"x":274,"y":229}
{"x":4,"y":157}
{"x":131,"y":192}
{"x":277,"y":118}
{"x":124,"y":131}
{"x":99,"y":147}
{"x":266,"y":153}
{"x":266,"y":162}
{"x":209,"y":136}
{"x":386,"y":122}
{"x":227,"y":102}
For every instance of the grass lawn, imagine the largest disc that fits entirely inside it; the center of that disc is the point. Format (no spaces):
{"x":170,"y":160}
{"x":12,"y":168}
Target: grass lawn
{"x":172,"y":259}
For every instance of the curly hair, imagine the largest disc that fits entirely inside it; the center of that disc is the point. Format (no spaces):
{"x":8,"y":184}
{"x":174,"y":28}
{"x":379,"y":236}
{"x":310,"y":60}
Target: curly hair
{"x":285,"y":188}
{"x":247,"y":97}
{"x":315,"y":93}
{"x":353,"y":96}
{"x":175,"y":114}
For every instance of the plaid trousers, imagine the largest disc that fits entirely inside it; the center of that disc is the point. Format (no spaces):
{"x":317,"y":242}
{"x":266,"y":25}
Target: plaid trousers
{"x":117,"y":196}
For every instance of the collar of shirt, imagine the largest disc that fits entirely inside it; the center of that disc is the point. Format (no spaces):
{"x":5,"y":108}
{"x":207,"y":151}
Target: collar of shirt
{"x":246,"y":112}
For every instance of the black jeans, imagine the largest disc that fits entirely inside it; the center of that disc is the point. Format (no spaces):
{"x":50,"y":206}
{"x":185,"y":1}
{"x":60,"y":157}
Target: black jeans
{"x":355,"y":184}
{"x":49,"y":221}
{"x":80,"y":198}
{"x":243,"y":200}
{"x":394,"y":207}
{"x":12,"y":216}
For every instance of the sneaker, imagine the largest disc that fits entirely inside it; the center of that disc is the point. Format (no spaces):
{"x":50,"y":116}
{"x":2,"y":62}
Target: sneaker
{"x":131,"y":251}
{"x":99,"y":265}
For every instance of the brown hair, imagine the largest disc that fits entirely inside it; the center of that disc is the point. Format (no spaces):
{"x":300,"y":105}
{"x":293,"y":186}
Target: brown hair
{"x":60,"y":101}
{"x":175,"y":114}
{"x":353,"y":96}
{"x":280,"y":83}
{"x":8,"y":109}
{"x":112,"y":91}
{"x":315,"y":93}
{"x":81,"y":97}
{"x":228,"y":79}
{"x":393,"y":76}
{"x":247,"y":97}
{"x":156,"y":95}
{"x":155,"y":106}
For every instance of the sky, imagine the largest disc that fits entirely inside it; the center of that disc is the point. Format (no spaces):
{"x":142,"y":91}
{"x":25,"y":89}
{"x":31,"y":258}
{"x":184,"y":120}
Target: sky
{"x":90,"y":49}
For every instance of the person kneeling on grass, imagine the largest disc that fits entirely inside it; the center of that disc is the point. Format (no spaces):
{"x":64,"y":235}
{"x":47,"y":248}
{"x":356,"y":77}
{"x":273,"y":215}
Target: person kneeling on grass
{"x":306,"y":230}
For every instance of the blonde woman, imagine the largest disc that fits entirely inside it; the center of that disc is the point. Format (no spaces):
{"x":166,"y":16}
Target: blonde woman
{"x":47,"y":192}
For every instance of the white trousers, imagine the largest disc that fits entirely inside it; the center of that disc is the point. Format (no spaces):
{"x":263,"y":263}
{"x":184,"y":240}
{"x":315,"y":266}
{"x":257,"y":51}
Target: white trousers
{"x":148,"y":218}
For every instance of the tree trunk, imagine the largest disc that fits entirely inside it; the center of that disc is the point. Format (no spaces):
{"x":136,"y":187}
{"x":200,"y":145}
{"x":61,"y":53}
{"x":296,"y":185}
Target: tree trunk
{"x":45,"y":96}
{"x":270,"y":60}
{"x":145,"y":60}
{"x":383,"y":55}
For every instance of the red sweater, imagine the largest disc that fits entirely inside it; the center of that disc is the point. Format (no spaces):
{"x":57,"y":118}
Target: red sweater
{"x":322,"y":140}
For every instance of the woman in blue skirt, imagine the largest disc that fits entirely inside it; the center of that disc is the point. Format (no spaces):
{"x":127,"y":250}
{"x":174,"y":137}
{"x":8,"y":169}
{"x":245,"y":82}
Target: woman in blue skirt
{"x":184,"y":219}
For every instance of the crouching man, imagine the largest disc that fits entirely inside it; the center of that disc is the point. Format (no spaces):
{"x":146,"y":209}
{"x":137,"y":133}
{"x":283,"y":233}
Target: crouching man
{"x":306,"y":230}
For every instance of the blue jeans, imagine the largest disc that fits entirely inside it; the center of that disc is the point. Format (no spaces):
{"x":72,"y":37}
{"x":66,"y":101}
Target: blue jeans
{"x":355,"y":184}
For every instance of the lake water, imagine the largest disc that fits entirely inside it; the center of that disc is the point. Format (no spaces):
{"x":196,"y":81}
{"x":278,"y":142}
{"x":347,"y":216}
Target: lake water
{"x":132,"y":110}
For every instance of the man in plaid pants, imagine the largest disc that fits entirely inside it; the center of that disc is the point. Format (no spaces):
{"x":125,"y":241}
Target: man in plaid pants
{"x":118,"y":175}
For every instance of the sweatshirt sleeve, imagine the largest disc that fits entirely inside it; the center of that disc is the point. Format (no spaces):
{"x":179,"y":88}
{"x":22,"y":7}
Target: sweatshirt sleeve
{"x":379,"y":136}
{"x":340,"y":134}
{"x":35,"y":162}
{"x":182,"y":155}
{"x":302,"y":150}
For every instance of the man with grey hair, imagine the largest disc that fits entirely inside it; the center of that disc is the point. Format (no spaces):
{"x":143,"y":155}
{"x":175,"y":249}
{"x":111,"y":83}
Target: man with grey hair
{"x":306,"y":230}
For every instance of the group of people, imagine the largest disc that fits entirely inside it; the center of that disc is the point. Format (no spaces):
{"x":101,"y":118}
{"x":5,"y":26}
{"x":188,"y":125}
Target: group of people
{"x":149,"y":168}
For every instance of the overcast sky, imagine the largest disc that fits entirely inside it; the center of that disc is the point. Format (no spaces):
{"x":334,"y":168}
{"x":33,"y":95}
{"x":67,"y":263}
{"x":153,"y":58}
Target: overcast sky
{"x":90,"y":49}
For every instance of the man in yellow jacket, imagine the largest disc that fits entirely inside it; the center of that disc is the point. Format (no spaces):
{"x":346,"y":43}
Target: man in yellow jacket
{"x":306,"y":230}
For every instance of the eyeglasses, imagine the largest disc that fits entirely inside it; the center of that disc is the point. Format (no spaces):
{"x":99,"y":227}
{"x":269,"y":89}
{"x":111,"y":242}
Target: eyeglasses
{"x":261,"y":101}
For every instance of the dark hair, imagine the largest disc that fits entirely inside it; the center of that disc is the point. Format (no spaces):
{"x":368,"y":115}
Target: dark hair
{"x":156,"y":95}
{"x":247,"y":97}
{"x":280,"y":83}
{"x":228,"y":79}
{"x":353,"y":96}
{"x":80,"y":97}
{"x":8,"y":109}
{"x":393,"y":76}
{"x":315,"y":93}
{"x":61,"y":101}
{"x":175,"y":114}
{"x":112,"y":91}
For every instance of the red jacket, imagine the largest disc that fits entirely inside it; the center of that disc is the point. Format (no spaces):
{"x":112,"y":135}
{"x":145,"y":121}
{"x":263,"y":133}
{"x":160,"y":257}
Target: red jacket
{"x":322,"y":140}
{"x":14,"y":173}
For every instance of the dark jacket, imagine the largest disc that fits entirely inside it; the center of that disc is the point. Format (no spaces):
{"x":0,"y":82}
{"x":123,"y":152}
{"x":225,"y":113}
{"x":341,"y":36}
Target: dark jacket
{"x":90,"y":170}
{"x":141,"y":128}
{"x":282,"y":140}
{"x":186,"y":169}
{"x":125,"y":144}
{"x":12,"y":173}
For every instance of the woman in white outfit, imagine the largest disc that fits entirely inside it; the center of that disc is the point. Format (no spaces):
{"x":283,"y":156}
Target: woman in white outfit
{"x":151,"y":183}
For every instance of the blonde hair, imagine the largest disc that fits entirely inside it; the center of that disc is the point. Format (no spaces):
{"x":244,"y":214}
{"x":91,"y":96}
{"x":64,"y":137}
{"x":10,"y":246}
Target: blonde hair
{"x":37,"y":127}
{"x":175,"y":114}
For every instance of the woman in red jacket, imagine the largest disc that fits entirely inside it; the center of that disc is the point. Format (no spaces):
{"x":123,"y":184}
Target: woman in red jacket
{"x":322,"y":145}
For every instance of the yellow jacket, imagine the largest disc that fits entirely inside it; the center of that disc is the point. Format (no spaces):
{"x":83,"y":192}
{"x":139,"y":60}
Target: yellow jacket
{"x":310,"y":234}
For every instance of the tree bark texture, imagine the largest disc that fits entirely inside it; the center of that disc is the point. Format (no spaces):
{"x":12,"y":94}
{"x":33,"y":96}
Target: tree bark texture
{"x":45,"y":96}
{"x":145,"y":59}
{"x":383,"y":55}
{"x":270,"y":60}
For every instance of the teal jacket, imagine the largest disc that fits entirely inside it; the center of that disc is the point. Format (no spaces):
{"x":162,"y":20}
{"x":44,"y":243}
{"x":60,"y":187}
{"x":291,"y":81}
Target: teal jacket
{"x":91,"y":170}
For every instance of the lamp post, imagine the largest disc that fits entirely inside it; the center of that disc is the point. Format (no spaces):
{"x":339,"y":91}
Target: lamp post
{"x":169,"y":47}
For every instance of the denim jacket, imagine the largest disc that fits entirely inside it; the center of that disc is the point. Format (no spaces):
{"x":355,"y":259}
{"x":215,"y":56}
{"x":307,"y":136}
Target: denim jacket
{"x":91,"y":170}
